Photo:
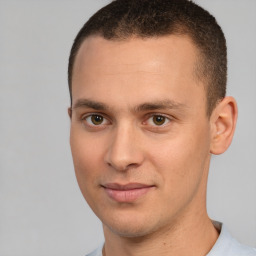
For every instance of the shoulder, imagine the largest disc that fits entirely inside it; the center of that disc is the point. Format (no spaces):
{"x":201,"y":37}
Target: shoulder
{"x":226,"y":245}
{"x":97,"y":252}
{"x":238,"y":249}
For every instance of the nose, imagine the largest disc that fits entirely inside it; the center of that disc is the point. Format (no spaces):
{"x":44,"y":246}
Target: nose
{"x":125,"y":150}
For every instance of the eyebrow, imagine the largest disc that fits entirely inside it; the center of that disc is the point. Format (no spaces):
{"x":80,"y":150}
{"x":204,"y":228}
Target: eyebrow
{"x":156,"y":105}
{"x":147,"y":106}
{"x":86,"y":103}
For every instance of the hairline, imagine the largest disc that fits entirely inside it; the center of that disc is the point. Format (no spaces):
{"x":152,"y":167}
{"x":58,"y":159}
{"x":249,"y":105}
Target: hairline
{"x":198,"y":65}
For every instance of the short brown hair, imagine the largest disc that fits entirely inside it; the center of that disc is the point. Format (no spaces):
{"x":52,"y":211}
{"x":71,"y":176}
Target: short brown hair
{"x":122,"y":19}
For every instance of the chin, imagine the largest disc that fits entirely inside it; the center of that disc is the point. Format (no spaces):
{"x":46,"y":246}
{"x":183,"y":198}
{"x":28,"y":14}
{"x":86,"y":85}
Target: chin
{"x":131,"y":228}
{"x":132,"y":232}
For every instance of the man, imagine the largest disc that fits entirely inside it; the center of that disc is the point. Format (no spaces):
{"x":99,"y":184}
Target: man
{"x":147,"y":82}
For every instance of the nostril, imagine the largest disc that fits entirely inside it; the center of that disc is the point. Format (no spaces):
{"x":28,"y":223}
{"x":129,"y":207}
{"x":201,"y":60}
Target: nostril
{"x":123,"y":167}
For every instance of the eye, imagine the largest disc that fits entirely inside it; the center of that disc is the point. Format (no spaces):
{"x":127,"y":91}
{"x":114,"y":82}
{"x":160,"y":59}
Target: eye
{"x":95,"y":120}
{"x":158,"y":120}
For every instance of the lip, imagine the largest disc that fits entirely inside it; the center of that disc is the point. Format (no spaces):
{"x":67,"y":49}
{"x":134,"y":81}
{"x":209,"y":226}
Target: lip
{"x":126,"y":193}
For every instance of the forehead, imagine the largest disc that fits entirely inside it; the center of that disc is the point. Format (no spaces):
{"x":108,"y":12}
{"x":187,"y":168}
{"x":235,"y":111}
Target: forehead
{"x":149,"y":66}
{"x":136,"y":53}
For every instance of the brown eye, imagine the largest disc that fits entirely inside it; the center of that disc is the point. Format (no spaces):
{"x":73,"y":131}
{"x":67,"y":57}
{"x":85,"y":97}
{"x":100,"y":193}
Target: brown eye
{"x":159,"y":120}
{"x":96,"y":119}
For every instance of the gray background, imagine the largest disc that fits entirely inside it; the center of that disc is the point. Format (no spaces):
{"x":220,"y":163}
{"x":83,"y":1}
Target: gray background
{"x":42,"y":211}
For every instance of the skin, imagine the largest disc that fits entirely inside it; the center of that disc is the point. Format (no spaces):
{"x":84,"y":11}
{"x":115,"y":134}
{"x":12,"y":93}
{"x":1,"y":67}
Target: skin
{"x":129,"y":84}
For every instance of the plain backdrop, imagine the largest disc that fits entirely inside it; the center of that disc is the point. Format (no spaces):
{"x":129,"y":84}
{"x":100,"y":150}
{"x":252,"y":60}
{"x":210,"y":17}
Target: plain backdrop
{"x":42,"y":211}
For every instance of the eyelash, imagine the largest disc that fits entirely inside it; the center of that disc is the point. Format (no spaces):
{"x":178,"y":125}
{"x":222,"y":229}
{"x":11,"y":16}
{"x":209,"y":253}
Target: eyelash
{"x":89,"y":122}
{"x":154,"y":115}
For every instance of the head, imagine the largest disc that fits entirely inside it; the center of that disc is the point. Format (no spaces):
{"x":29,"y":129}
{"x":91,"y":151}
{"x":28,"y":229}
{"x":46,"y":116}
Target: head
{"x":122,"y":20}
{"x":147,"y":82}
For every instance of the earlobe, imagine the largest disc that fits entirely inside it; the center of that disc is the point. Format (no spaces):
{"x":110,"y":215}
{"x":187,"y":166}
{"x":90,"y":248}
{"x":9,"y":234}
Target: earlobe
{"x":70,"y":112}
{"x":223,"y":123}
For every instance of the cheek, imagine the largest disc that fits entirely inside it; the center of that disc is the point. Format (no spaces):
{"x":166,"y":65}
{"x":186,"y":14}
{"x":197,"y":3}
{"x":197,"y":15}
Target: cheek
{"x":86,"y":157}
{"x":182,"y":159}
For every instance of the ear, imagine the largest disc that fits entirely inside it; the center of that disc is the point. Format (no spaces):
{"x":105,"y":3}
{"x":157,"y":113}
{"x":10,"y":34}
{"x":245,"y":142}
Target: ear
{"x":70,"y":112}
{"x":223,"y":123}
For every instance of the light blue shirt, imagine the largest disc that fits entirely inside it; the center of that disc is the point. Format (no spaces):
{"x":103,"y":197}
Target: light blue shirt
{"x":225,"y":245}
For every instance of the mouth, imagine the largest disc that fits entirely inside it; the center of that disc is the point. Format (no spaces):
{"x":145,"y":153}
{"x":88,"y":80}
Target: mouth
{"x":126,"y":193}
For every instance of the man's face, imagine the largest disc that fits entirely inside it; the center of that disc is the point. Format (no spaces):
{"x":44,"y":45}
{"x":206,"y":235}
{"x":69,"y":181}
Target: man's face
{"x":140,"y":136}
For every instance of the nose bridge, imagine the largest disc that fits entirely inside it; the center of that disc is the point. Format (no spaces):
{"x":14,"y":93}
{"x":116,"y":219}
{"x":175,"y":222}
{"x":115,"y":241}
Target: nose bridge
{"x":124,"y":151}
